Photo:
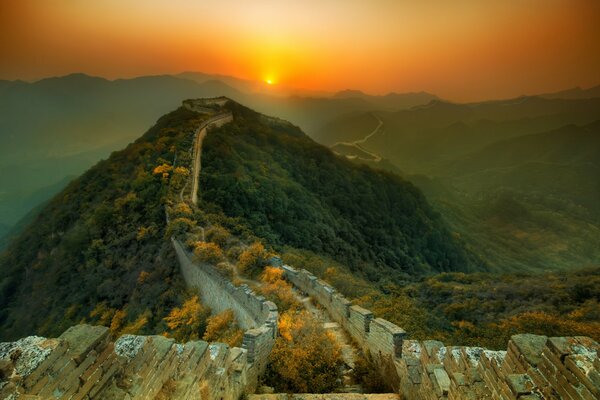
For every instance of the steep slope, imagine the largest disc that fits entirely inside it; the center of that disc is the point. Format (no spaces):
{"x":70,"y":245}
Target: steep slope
{"x":563,"y":163}
{"x":291,"y":191}
{"x":100,"y":245}
{"x":61,"y":126}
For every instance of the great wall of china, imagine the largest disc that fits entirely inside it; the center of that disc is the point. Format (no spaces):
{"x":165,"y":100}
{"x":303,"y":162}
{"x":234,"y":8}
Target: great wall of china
{"x":84,"y":363}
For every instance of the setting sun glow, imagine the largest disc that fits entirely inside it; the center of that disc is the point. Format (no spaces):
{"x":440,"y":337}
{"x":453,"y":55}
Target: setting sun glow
{"x":498,"y":49}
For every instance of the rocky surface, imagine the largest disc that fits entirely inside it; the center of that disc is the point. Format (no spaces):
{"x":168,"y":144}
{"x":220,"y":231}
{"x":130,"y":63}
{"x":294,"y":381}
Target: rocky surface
{"x":532,"y":367}
{"x":83,"y":363}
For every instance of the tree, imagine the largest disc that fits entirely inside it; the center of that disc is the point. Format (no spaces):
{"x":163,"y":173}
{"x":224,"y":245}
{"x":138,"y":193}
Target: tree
{"x":208,"y":252}
{"x":305,"y":358}
{"x":222,"y":328}
{"x":188,"y":322}
{"x":253,"y":259}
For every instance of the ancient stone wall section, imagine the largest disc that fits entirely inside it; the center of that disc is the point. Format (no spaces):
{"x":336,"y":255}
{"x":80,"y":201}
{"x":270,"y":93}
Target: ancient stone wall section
{"x":378,"y":337}
{"x":83,"y":363}
{"x":254,"y":314}
{"x":533,"y":367}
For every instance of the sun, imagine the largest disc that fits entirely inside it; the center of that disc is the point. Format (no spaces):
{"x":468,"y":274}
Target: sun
{"x":269,"y":81}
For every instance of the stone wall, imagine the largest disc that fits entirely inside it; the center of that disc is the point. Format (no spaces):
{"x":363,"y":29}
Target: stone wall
{"x":84,"y":364}
{"x":253,"y":313}
{"x":533,"y":367}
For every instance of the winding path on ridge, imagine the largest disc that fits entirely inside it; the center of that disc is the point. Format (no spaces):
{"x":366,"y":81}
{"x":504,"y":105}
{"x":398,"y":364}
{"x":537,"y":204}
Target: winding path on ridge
{"x":349,"y":353}
{"x":358,"y":143}
{"x":217,"y":120}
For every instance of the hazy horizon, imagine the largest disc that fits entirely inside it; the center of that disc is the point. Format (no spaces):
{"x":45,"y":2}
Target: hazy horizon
{"x":465,"y":51}
{"x":296,"y":90}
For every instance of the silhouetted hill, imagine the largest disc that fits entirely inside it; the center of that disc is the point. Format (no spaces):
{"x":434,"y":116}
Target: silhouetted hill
{"x":390,"y":101}
{"x":574,"y":93}
{"x":425,"y":136}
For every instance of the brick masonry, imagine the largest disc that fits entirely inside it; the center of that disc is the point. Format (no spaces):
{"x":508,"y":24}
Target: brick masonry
{"x":532,"y":367}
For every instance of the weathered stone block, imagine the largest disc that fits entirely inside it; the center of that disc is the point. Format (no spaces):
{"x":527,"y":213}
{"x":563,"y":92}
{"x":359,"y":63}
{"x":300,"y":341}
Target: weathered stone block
{"x":443,"y":380}
{"x":520,"y":384}
{"x":82,"y":339}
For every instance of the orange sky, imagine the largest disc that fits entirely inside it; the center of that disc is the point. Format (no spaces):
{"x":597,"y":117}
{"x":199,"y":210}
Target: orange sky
{"x":460,"y":49}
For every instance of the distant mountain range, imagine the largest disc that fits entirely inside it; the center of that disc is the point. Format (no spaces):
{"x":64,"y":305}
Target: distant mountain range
{"x":103,"y":241}
{"x":574,"y":93}
{"x":423,"y":136}
{"x":58,"y":127}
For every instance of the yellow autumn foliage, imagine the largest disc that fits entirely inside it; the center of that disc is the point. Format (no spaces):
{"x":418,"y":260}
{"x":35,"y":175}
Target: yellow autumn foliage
{"x":252,"y":259}
{"x":222,"y":328}
{"x":305,"y":358}
{"x":277,"y":289}
{"x":208,"y":252}
{"x":162,"y":169}
{"x":186,"y":322}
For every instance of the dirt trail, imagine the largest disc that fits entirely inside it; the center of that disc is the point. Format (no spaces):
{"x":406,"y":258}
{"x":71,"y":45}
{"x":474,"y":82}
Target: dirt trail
{"x":217,"y":120}
{"x":358,"y":143}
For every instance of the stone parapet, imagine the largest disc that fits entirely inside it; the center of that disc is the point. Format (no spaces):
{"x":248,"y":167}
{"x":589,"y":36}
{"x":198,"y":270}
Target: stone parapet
{"x":254,"y":314}
{"x":84,"y":364}
{"x":532,"y":367}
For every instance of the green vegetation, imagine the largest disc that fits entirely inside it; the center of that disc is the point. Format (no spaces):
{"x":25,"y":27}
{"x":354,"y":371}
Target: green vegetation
{"x":528,"y":203}
{"x":288,"y":190}
{"x":477,"y":309}
{"x":98,"y":252}
{"x":516,"y":179}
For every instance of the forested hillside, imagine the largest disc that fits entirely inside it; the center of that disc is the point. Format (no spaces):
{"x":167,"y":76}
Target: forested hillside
{"x":291,"y":191}
{"x":98,"y":249}
{"x":526,"y":203}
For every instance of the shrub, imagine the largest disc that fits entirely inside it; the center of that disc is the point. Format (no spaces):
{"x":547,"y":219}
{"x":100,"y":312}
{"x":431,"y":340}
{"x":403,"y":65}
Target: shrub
{"x":305,"y":358}
{"x":367,"y":375}
{"x":278,"y":290}
{"x":222,"y":328}
{"x":218,"y":235}
{"x":253,"y":259}
{"x":226,"y":270}
{"x":188,"y":322}
{"x":179,"y":226}
{"x":208,"y":252}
